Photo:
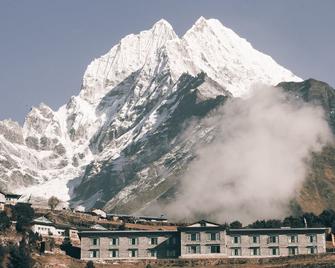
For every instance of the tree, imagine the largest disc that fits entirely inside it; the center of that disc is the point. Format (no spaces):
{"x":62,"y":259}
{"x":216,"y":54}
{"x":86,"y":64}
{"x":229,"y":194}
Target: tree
{"x":20,"y":256}
{"x":235,"y":225}
{"x":90,"y":264}
{"x":52,"y":244}
{"x":53,"y":202}
{"x":4,"y":221}
{"x":311,"y":219}
{"x":327,"y":218}
{"x":293,"y":222}
{"x":24,"y":214}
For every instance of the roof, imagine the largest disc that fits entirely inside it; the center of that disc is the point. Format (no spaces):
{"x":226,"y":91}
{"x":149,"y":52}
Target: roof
{"x":203,"y":224}
{"x":277,"y":230}
{"x":123,"y":232}
{"x":13,"y":195}
{"x":98,"y":227}
{"x":136,"y":216}
{"x":10,"y":194}
{"x":42,"y":220}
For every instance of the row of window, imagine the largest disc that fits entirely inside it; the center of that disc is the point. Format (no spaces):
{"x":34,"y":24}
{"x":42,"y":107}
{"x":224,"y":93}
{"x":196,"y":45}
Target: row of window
{"x":212,"y":236}
{"x":114,"y":241}
{"x":274,"y":251}
{"x":132,"y":253}
{"x":254,"y":251}
{"x":253,"y":239}
{"x":273,"y":239}
{"x":43,"y":228}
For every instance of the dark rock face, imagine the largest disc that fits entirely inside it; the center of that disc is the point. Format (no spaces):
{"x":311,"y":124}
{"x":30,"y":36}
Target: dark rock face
{"x":149,"y":165}
{"x":318,"y":192}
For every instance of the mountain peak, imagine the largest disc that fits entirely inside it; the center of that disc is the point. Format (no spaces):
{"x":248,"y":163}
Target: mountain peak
{"x":162,"y":24}
{"x":130,"y":94}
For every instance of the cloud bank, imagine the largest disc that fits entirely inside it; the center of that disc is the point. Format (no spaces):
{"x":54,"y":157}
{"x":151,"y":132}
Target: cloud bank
{"x":257,"y":162}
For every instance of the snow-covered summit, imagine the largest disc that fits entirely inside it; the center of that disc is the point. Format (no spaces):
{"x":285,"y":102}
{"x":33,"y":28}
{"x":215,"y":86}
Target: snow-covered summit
{"x":129,"y":96}
{"x":207,"y":46}
{"x":130,"y":54}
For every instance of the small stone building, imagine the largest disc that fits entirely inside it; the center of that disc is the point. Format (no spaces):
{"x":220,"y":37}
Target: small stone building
{"x":9,"y":198}
{"x":45,"y":227}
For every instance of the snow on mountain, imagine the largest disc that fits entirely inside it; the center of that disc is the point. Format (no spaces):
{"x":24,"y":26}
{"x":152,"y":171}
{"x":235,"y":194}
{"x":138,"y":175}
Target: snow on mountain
{"x":122,"y":134}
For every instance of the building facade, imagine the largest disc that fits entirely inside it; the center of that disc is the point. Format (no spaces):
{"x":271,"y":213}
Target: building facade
{"x":130,"y":244}
{"x":45,"y":227}
{"x":275,"y":242}
{"x":9,"y":198}
{"x":201,"y":240}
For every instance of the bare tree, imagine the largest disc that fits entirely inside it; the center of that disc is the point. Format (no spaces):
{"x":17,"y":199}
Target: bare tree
{"x":53,"y":202}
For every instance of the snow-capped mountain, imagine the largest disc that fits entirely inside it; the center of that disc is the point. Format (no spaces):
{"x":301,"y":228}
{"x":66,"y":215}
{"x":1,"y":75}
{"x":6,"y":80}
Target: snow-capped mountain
{"x":121,"y":142}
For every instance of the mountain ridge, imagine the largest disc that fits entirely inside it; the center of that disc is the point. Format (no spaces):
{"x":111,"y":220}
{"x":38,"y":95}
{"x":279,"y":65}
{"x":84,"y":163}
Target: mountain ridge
{"x":107,"y":142}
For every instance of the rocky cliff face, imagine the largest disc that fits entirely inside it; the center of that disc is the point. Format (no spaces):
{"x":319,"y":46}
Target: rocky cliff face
{"x":318,"y":191}
{"x":121,"y":143}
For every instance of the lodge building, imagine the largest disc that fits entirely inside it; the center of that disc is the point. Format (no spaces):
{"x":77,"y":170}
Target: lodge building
{"x":201,"y":240}
{"x":129,"y":244}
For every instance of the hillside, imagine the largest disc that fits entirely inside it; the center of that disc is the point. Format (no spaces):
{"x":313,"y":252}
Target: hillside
{"x":318,"y":191}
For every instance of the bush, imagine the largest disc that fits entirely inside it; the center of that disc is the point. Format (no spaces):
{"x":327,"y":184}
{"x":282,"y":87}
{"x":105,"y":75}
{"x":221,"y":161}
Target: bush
{"x":90,"y":264}
{"x":235,"y":225}
{"x":24,"y":214}
{"x":5,"y":222}
{"x":16,"y":256}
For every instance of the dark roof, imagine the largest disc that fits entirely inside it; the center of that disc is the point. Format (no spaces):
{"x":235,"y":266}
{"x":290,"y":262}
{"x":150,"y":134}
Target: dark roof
{"x":276,"y":230}
{"x":136,"y":216}
{"x":10,"y":194}
{"x":124,"y":232}
{"x":13,"y":195}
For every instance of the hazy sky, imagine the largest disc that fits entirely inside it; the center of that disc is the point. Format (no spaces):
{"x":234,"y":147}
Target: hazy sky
{"x":45,"y":46}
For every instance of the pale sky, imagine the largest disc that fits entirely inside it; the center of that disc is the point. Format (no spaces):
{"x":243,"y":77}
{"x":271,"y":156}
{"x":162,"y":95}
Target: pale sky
{"x":45,"y":46}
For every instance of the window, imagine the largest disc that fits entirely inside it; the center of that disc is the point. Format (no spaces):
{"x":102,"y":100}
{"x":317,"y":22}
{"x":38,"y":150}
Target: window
{"x":312,"y":238}
{"x":152,"y":253}
{"x":213,"y":236}
{"x":235,"y":251}
{"x":292,"y":251}
{"x":273,"y":239}
{"x":173,"y":240}
{"x":193,"y":249}
{"x":170,"y":253}
{"x":153,"y":241}
{"x":255,"y":239}
{"x":114,"y":241}
{"x":236,"y":239}
{"x":133,"y":241}
{"x":293,"y":239}
{"x":312,"y":250}
{"x":193,"y":236}
{"x":214,"y":249}
{"x":114,"y":253}
{"x":274,"y":251}
{"x":95,"y":241}
{"x":255,"y":251}
{"x":94,"y":254}
{"x":133,"y":253}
